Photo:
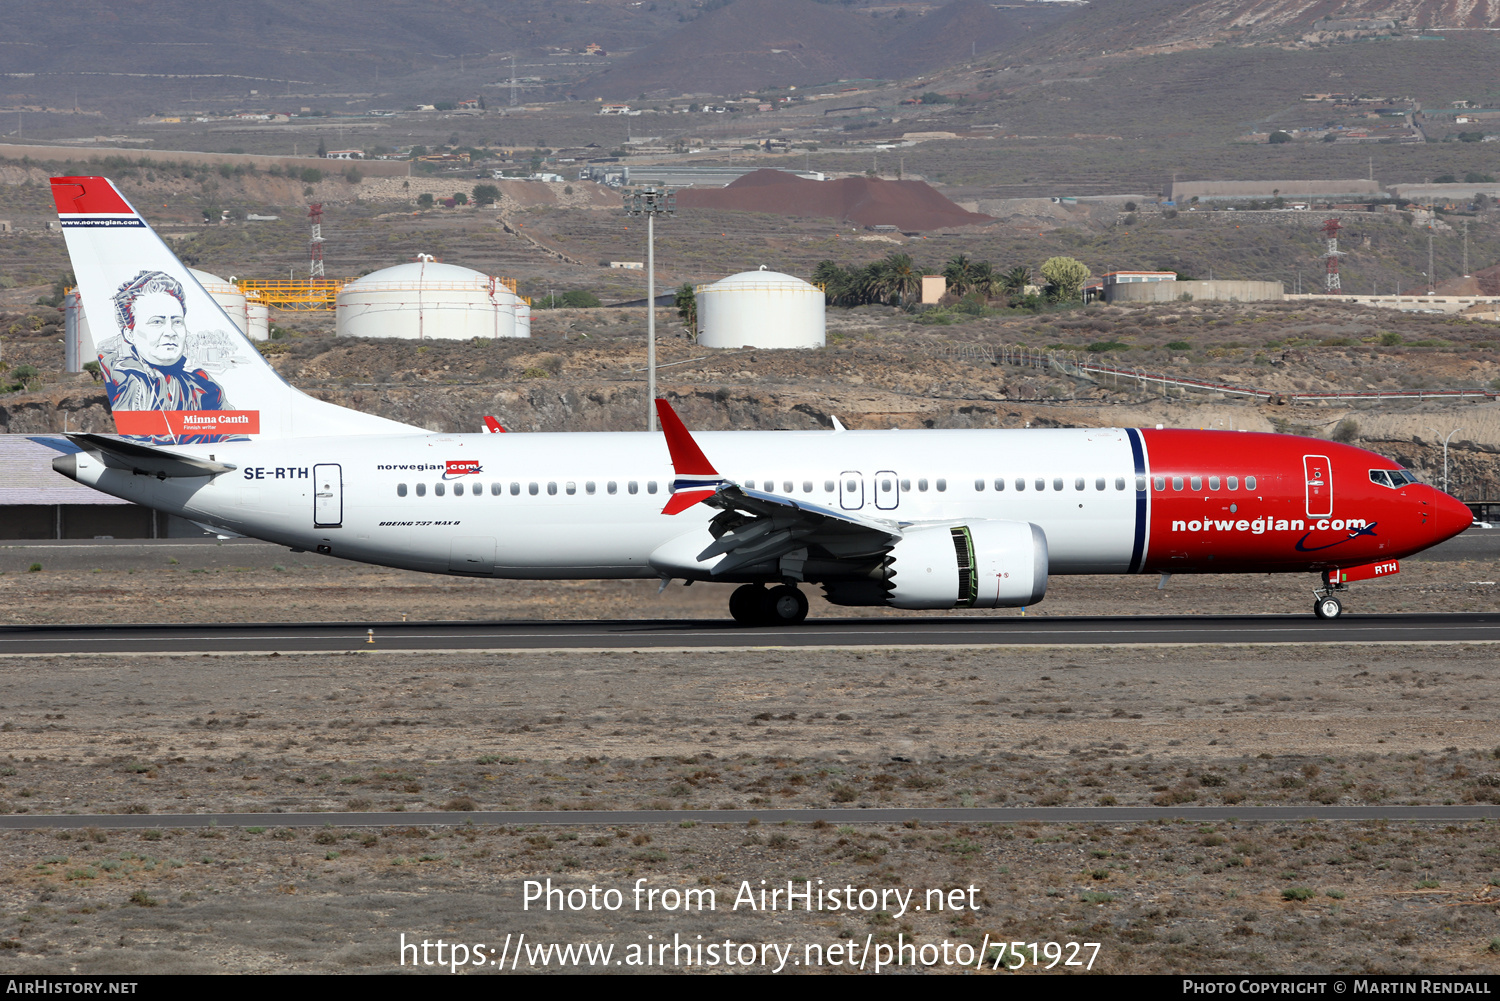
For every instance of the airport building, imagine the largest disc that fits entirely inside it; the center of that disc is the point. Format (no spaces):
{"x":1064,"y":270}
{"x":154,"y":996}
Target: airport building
{"x":37,"y":502}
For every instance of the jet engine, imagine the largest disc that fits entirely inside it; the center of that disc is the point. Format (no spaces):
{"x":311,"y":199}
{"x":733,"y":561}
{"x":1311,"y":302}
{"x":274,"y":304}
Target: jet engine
{"x":986,"y":564}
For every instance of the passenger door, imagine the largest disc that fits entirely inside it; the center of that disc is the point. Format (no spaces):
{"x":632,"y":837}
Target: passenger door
{"x":1319,"y":475}
{"x":328,"y":496}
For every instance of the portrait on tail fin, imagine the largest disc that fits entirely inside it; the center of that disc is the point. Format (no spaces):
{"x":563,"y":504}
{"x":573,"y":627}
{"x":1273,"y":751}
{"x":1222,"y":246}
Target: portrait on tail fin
{"x":147,"y":365}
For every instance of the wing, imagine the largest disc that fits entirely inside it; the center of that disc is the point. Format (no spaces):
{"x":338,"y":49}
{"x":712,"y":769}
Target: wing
{"x":761,"y":532}
{"x":757,"y":528}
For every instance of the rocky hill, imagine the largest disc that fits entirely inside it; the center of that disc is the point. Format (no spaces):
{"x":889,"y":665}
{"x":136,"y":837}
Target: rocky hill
{"x":751,"y":44}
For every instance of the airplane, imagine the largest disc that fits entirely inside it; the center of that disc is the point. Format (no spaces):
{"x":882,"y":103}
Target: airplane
{"x":924,"y":519}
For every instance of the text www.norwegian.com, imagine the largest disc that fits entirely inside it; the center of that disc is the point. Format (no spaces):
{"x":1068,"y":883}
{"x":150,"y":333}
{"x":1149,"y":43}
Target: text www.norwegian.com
{"x":517,"y":953}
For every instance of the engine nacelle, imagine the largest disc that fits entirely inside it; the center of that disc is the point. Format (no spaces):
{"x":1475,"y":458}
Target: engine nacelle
{"x":987,"y":564}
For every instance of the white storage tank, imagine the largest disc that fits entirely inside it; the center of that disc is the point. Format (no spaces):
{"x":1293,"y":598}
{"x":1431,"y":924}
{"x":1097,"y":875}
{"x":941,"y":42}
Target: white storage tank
{"x":761,"y":309}
{"x":78,"y":340}
{"x":427,"y":299}
{"x":258,"y":320}
{"x":523,"y":317}
{"x":227,"y":295}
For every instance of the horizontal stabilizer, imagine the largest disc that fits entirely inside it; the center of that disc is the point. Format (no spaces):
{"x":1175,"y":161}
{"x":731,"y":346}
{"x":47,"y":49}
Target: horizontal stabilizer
{"x":144,"y":460}
{"x":685,"y":499}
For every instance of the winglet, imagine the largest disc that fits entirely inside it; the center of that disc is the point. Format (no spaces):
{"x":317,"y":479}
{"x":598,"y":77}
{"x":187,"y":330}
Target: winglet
{"x":687,"y":458}
{"x":492,"y":426}
{"x":696,"y":479}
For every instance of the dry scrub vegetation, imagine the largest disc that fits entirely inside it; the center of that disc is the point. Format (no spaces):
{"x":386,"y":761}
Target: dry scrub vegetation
{"x":913,"y":728}
{"x":1159,"y":898}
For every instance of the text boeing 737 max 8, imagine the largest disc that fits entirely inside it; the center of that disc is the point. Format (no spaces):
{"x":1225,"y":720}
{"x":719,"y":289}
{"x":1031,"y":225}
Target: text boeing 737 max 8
{"x":909,"y":519}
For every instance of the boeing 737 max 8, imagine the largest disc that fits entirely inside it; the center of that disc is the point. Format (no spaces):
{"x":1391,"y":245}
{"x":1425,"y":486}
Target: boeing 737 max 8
{"x":911,"y":519}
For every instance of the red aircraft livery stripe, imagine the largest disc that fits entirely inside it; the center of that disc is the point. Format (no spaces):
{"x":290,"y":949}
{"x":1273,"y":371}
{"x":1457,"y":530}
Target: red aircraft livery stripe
{"x":187,"y":422}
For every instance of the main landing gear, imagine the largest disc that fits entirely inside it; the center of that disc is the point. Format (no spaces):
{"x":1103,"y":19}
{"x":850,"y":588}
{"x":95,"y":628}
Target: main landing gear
{"x":1326,"y":606}
{"x":782,"y":605}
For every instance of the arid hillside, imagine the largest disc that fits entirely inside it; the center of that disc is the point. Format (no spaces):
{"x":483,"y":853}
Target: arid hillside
{"x":584,"y":370}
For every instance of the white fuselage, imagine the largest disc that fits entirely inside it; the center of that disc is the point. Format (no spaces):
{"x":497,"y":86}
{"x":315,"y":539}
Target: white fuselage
{"x":588,"y":505}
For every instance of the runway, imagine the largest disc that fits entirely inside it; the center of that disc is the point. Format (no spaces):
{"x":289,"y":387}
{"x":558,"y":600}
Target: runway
{"x":965,"y":630}
{"x":608,"y":818}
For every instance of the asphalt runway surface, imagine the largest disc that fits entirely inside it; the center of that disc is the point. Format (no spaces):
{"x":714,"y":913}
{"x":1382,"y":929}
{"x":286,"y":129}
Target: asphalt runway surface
{"x":607,"y":818}
{"x":680,"y":634}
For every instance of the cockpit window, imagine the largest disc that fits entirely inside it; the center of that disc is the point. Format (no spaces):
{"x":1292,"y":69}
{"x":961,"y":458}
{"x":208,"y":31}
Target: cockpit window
{"x":1394,"y":478}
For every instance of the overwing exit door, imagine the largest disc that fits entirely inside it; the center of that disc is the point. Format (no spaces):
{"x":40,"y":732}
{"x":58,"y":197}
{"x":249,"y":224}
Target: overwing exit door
{"x":328,"y":496}
{"x":851,"y":490}
{"x":1319,"y":475}
{"x":887,"y":490}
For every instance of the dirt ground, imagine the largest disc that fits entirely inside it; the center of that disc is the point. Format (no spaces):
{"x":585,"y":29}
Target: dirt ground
{"x":1164,"y":726}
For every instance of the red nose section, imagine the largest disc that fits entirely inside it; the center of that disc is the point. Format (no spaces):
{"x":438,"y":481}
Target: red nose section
{"x":1450,"y":516}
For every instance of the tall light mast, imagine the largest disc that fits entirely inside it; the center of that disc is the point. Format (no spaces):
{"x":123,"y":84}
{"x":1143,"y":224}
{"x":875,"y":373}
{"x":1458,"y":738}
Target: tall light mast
{"x":651,"y":202}
{"x":1331,"y":285}
{"x":315,"y":245}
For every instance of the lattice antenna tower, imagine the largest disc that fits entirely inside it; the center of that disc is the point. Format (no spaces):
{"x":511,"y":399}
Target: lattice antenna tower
{"x":1331,"y":283}
{"x":514,"y":99}
{"x":315,"y":245}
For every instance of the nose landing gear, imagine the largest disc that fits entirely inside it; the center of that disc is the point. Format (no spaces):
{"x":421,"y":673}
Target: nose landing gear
{"x":1326,"y":606}
{"x":753,"y":605}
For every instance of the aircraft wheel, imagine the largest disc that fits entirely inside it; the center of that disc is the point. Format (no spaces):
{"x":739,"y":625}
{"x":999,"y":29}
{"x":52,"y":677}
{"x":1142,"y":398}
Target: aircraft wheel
{"x":747,"y":603}
{"x":1327,"y":608}
{"x":785,"y":606}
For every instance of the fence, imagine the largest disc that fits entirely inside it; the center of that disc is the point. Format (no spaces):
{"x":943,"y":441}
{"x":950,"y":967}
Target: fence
{"x":1086,"y":366}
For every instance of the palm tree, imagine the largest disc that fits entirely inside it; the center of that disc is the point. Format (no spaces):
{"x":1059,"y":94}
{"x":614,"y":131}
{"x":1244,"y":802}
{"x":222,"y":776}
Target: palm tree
{"x":1016,"y":279}
{"x":960,"y":275}
{"x":835,"y":281}
{"x":902,"y":278}
{"x":984,"y":280}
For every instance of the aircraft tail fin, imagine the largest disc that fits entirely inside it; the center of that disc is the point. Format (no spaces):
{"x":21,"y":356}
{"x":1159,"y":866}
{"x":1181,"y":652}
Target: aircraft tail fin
{"x":177,"y":369}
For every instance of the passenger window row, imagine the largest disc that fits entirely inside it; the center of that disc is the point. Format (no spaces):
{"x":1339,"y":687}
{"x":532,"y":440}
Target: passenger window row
{"x":887,"y":485}
{"x":884,"y":484}
{"x":570,"y":488}
{"x":1061,"y":483}
{"x":1195,"y":483}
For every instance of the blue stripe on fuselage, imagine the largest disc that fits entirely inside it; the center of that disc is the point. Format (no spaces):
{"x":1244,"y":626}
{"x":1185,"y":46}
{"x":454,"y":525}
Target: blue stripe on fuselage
{"x":1137,"y":550}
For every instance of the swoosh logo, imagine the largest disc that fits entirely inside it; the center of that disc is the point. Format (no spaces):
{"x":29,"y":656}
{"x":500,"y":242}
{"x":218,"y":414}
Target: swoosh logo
{"x":1367,"y":530}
